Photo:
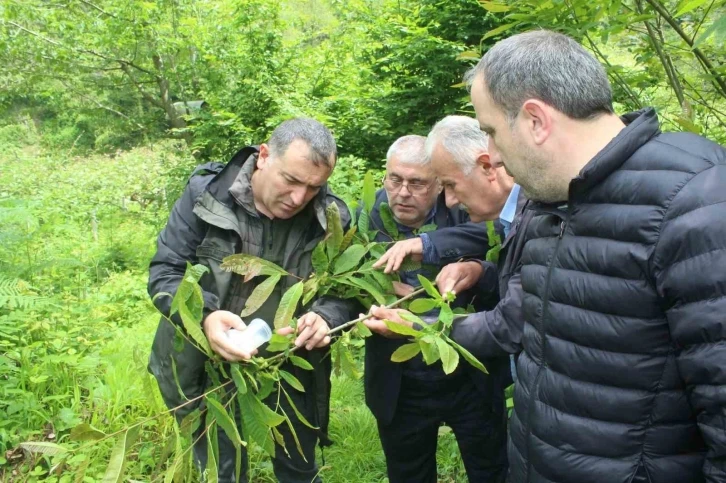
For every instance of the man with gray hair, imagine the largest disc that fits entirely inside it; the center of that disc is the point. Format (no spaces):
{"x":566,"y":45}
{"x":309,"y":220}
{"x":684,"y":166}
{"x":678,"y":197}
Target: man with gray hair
{"x":621,"y":375}
{"x":268,"y":201}
{"x":410,"y":400}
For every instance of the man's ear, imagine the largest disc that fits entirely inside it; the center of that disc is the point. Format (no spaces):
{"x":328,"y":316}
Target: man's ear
{"x":539,"y":119}
{"x":483,"y":162}
{"x":263,"y":158}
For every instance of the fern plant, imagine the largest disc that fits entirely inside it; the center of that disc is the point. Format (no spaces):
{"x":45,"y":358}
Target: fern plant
{"x":18,"y":294}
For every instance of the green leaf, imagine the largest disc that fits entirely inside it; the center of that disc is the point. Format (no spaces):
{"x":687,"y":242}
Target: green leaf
{"x":401,"y":329}
{"x":688,"y":125}
{"x":260,"y":294}
{"x":212,"y":473}
{"x":225,"y":421}
{"x":238,"y":378}
{"x":449,"y":357}
{"x":427,"y":228}
{"x":50,"y":449}
{"x":494,"y":7}
{"x":383,"y":280}
{"x":310,"y":288}
{"x":363,"y":222}
{"x":409,"y":265}
{"x":320,"y":259}
{"x":349,"y":259}
{"x":352,"y":210}
{"x":256,"y":421}
{"x":389,"y":222}
{"x":366,"y":287}
{"x":406,"y":352}
{"x":301,"y":363}
{"x":429,"y":287}
{"x":468,"y":356}
{"x":718,"y":27}
{"x":469,"y":55}
{"x":334,"y":232}
{"x":292,"y":380}
{"x":279,"y":343}
{"x":369,"y":196}
{"x":193,"y":327}
{"x":429,"y":351}
{"x":348,"y":238}
{"x":299,"y":415}
{"x":688,"y":6}
{"x":421,"y":306}
{"x":86,"y":432}
{"x":345,"y":361}
{"x":446,"y":315}
{"x":363,"y":331}
{"x":117,"y":462}
{"x":288,"y":305}
{"x":242,"y":264}
{"x":499,"y":30}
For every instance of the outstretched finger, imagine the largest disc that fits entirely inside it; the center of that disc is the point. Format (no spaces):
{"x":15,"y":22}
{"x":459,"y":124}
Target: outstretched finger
{"x":381,"y":261}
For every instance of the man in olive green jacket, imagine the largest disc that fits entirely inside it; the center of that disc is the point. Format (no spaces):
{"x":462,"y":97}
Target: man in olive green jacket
{"x":268,"y":202}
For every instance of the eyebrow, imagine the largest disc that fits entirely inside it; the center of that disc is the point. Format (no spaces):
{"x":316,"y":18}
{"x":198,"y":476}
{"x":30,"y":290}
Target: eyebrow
{"x":299,"y":181}
{"x":412,"y":180}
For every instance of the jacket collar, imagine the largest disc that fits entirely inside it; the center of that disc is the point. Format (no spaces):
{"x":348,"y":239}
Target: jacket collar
{"x":641,"y":127}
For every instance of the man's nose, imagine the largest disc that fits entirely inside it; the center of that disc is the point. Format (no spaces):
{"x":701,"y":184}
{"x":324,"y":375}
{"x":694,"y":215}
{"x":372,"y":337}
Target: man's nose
{"x":450,"y":198}
{"x":298,"y":196}
{"x":405,"y":194}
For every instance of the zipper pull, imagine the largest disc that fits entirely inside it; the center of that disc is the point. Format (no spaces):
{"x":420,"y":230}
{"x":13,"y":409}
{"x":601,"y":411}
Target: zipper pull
{"x":562,"y":228}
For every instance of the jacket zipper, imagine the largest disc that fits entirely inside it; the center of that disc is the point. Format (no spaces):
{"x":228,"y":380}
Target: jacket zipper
{"x":545,"y":307}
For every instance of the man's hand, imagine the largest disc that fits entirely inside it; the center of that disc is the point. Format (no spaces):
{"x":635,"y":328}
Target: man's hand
{"x":457,"y":277}
{"x":402,"y":289}
{"x":394,"y":257}
{"x":312,"y":331}
{"x":376,"y":323}
{"x":216,"y":326}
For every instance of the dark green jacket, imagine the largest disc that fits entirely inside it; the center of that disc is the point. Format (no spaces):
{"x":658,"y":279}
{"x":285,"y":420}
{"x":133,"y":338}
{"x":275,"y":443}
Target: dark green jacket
{"x":207,"y":224}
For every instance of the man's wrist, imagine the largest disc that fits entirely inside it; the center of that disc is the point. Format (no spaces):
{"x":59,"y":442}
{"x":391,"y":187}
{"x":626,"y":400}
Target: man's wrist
{"x":428,"y":250}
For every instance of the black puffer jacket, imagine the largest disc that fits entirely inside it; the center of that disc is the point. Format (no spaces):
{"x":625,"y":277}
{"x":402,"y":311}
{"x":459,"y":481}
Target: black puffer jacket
{"x":623,"y":373}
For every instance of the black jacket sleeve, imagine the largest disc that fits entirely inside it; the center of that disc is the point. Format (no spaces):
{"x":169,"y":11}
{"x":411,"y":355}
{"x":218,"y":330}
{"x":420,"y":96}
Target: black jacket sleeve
{"x":496,"y":332}
{"x":468,"y":240}
{"x":177,"y":245}
{"x":689,"y":265}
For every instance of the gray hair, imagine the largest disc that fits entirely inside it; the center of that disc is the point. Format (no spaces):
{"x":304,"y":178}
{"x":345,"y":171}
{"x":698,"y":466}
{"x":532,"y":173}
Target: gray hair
{"x":461,"y":137}
{"x":408,"y":150}
{"x":548,"y":66}
{"x":313,"y":133}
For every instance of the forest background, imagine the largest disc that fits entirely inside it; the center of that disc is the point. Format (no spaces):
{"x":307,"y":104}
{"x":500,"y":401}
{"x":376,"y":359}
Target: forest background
{"x":107,"y":105}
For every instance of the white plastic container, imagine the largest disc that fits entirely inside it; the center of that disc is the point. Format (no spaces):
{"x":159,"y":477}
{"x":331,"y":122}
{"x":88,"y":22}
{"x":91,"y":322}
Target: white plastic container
{"x":256,"y":334}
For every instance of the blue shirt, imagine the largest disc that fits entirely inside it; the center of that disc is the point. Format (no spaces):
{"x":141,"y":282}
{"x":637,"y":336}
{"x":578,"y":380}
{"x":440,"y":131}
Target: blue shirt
{"x":506,"y":217}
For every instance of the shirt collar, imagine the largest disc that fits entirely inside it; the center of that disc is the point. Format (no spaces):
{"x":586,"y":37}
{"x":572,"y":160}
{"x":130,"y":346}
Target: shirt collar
{"x":510,"y":207}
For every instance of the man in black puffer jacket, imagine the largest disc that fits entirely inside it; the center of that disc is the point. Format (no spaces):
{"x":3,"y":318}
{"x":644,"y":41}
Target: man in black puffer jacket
{"x":622,"y":373}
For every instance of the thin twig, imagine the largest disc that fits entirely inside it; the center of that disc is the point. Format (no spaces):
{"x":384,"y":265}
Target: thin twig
{"x":351,"y":323}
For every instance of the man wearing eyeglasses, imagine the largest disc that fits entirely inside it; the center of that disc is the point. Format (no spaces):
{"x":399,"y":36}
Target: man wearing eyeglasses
{"x":411,"y":400}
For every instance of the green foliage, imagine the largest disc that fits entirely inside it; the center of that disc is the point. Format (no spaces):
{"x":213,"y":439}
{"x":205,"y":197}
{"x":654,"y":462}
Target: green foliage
{"x":666,"y":54}
{"x":495,"y":242}
{"x":288,"y":306}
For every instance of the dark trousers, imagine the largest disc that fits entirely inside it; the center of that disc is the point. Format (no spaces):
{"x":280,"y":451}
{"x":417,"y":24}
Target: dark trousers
{"x":409,"y":441}
{"x":289,"y":467}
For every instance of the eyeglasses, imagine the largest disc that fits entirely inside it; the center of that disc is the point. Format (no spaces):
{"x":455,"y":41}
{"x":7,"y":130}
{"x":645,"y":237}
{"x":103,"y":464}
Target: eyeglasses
{"x":394,"y":185}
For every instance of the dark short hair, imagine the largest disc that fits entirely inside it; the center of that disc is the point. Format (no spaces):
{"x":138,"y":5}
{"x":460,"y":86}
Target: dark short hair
{"x":548,"y":66}
{"x":318,"y":138}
